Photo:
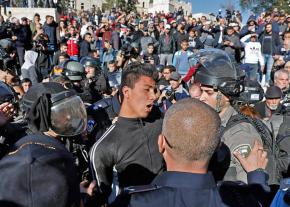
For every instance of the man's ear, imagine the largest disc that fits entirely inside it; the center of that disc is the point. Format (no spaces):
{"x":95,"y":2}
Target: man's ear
{"x":161,"y":144}
{"x":226,"y":98}
{"x":126,"y":91}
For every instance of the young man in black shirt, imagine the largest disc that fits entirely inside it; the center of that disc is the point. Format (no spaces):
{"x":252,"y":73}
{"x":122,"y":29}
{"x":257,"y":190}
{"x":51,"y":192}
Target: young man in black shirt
{"x":129,"y":146}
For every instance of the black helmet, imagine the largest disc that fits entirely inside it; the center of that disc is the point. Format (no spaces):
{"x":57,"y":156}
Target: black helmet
{"x":160,"y":68}
{"x":73,"y":70}
{"x":50,"y":106}
{"x":90,"y":62}
{"x":217,"y":70}
{"x":6,"y":93}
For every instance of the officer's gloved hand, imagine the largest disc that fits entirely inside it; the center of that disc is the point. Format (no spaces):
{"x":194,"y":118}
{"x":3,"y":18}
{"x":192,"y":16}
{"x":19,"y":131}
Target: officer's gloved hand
{"x":257,"y":159}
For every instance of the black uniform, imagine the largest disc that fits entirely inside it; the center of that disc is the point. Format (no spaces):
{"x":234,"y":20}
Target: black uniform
{"x":91,"y":90}
{"x":100,"y":116}
{"x":39,"y":172}
{"x":188,"y":189}
{"x":130,"y":147}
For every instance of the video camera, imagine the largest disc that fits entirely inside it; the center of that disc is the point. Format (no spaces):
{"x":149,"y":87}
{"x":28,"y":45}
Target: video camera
{"x":251,"y":93}
{"x":169,"y":94}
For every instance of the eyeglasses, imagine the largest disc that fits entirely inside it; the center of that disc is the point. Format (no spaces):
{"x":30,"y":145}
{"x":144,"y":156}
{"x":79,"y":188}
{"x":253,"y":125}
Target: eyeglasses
{"x":169,"y":145}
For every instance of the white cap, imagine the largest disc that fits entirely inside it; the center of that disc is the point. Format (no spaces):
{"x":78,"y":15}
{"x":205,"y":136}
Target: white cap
{"x":167,"y":26}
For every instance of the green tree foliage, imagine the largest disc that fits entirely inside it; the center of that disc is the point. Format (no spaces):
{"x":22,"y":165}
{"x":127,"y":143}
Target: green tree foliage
{"x":260,"y":5}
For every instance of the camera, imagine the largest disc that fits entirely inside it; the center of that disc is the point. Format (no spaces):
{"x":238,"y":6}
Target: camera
{"x":147,"y":59}
{"x":169,"y":93}
{"x":252,"y":93}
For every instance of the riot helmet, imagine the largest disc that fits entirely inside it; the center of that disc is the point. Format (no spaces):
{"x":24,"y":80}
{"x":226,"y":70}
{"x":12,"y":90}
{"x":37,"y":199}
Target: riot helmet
{"x":6,"y":93}
{"x":73,"y":70}
{"x":90,"y":62}
{"x":49,"y":106}
{"x":217,"y":70}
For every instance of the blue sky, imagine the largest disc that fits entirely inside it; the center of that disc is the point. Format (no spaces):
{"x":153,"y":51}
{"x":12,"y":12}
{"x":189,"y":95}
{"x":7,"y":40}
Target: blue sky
{"x":208,"y":6}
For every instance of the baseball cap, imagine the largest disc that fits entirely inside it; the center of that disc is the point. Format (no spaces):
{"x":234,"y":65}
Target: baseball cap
{"x":273,"y":92}
{"x":175,"y":76}
{"x":167,"y":26}
{"x":24,"y":19}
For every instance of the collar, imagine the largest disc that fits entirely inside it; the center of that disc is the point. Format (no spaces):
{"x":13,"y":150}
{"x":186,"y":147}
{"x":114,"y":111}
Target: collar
{"x":179,"y":89}
{"x":125,"y":120}
{"x":183,"y":179}
{"x":227,"y":115}
{"x":44,"y":139}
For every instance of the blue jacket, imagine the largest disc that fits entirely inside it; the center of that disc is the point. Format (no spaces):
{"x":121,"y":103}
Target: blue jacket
{"x":23,"y":34}
{"x":50,"y":30}
{"x":188,"y":189}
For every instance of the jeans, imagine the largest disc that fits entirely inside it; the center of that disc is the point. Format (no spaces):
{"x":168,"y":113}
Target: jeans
{"x":166,"y":59}
{"x":252,"y":73}
{"x":20,"y":53}
{"x":75,"y":58}
{"x":269,"y":61}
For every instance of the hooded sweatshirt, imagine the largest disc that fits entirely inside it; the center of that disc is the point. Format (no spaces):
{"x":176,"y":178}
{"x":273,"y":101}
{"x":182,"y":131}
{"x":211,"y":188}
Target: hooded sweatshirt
{"x":28,"y":69}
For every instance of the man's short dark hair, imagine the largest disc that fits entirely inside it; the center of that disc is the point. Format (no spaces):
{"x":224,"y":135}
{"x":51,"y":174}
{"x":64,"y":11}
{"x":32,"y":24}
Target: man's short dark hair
{"x":62,"y":44}
{"x":190,"y":136}
{"x":184,"y":40}
{"x":25,"y":80}
{"x":133,"y":72}
{"x":87,"y":34}
{"x":111,"y":62}
{"x":64,"y":54}
{"x":170,"y":67}
{"x":268,"y":24}
{"x":150,"y":44}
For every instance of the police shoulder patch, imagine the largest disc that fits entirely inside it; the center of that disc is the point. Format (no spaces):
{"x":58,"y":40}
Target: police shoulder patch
{"x":141,"y":189}
{"x":243,"y":149}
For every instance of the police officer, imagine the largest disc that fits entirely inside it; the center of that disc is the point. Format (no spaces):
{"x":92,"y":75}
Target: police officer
{"x":10,"y":131}
{"x":76,"y":73}
{"x":95,"y":82}
{"x":102,"y":114}
{"x":220,"y":85}
{"x":39,"y":164}
{"x":187,"y":142}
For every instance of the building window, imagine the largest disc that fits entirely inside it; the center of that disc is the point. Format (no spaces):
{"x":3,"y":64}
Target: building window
{"x":143,"y":4}
{"x":82,"y":6}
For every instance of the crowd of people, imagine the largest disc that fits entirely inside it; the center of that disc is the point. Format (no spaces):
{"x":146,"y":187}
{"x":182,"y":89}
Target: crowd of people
{"x":128,"y":109}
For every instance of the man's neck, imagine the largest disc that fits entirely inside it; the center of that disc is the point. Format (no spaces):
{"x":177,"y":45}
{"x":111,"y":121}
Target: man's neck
{"x":126,"y":112}
{"x":223,"y":111}
{"x":198,"y":167}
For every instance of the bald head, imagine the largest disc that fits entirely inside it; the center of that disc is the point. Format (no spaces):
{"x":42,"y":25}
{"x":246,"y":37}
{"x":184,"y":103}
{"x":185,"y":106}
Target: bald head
{"x":191,"y":129}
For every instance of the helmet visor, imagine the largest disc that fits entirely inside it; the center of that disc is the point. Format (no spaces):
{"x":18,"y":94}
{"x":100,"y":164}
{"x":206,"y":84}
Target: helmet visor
{"x":69,"y":117}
